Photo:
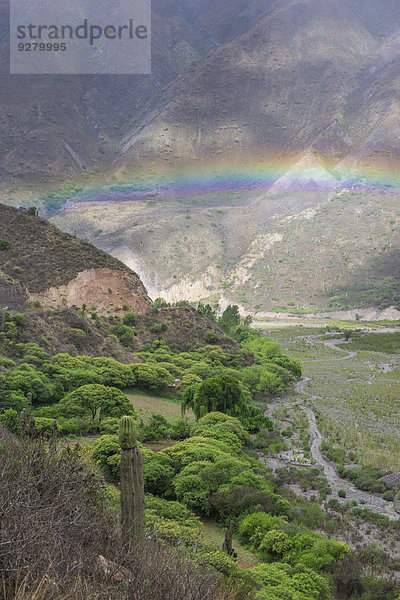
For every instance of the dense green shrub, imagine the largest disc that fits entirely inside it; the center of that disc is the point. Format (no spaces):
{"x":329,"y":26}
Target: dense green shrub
{"x":129,"y":319}
{"x":77,"y":336}
{"x":151,"y":377}
{"x":156,"y":429}
{"x":44,"y":426}
{"x":4,"y":244}
{"x":180,"y":430}
{"x":95,"y":401}
{"x":106,"y":453}
{"x":123,"y":333}
{"x":26,"y":378}
{"x":9,"y":419}
{"x":367,"y":478}
{"x":158,"y":474}
{"x":280,"y":581}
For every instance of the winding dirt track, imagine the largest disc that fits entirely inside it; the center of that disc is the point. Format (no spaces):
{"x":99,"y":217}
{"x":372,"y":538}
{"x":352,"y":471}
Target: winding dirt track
{"x":372,"y":501}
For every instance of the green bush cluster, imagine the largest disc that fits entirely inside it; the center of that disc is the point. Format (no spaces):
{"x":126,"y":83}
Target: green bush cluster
{"x":367,"y":478}
{"x":4,"y":244}
{"x":307,"y":478}
{"x":276,"y":538}
{"x":207,"y":472}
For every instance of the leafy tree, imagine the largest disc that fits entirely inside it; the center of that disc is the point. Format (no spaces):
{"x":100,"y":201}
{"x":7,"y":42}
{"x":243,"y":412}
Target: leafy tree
{"x":289,"y":364}
{"x":253,"y":527}
{"x":26,"y":378}
{"x":275,"y":543}
{"x":220,"y":426}
{"x":157,"y":429}
{"x":196,"y":449}
{"x":238,"y":500}
{"x":188,"y":380}
{"x":269,"y":383}
{"x":71,"y":379}
{"x":263,"y":348}
{"x":160,"y":303}
{"x":96,"y":400}
{"x":44,"y":426}
{"x":158,"y":475}
{"x":31,"y":349}
{"x":192,"y":491}
{"x":201,"y":368}
{"x":221,"y":393}
{"x":171,"y":511}
{"x":123,"y":333}
{"x":109,"y":425}
{"x":230,"y":319}
{"x":180,"y":430}
{"x":151,"y":377}
{"x":212,"y":338}
{"x":280,"y":581}
{"x":208,"y":311}
{"x":113,"y":373}
{"x":130,"y":319}
{"x":14,"y":399}
{"x":172,"y":369}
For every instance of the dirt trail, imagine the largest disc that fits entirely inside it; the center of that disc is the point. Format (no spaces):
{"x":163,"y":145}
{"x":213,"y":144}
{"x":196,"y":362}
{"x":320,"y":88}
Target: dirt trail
{"x":332,"y":344}
{"x":369,"y":500}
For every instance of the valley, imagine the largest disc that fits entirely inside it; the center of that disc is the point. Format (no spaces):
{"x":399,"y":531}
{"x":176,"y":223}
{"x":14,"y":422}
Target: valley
{"x":260,"y":156}
{"x":200,"y":311}
{"x":349,"y":396}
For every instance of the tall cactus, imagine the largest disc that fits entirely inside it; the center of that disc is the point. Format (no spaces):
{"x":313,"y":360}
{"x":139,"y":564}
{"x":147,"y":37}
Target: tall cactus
{"x":132,"y":486}
{"x":227,"y":545}
{"x":27,"y":421}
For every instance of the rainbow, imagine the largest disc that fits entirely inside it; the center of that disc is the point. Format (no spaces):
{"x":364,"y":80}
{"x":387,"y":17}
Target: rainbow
{"x":242,"y":178}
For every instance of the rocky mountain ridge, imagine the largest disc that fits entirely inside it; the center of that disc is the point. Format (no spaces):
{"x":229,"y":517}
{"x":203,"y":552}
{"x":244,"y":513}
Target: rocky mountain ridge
{"x":41,"y":265}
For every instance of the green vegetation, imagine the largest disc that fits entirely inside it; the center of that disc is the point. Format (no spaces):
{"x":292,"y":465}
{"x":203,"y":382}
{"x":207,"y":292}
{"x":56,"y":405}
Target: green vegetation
{"x":212,"y":474}
{"x":4,"y":244}
{"x":356,"y":399}
{"x":54,"y":505}
{"x":87,"y":395}
{"x":96,"y":401}
{"x":205,"y":466}
{"x":226,"y":394}
{"x":389,"y":343}
{"x":367,"y":478}
{"x":54,"y":200}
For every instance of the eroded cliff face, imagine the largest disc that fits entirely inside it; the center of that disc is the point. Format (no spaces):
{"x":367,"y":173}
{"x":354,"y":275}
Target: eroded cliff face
{"x":40,"y":263}
{"x":104,"y":290}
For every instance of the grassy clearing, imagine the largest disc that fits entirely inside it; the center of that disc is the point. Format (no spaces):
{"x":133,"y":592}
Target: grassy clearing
{"x":215,"y":536}
{"x":146,"y":404}
{"x":376,"y":342}
{"x":357,"y":400}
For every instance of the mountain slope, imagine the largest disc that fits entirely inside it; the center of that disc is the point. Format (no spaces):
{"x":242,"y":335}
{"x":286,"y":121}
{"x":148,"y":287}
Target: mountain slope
{"x":259,"y":122}
{"x":56,"y":128}
{"x":271,"y":91}
{"x":57,"y":269}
